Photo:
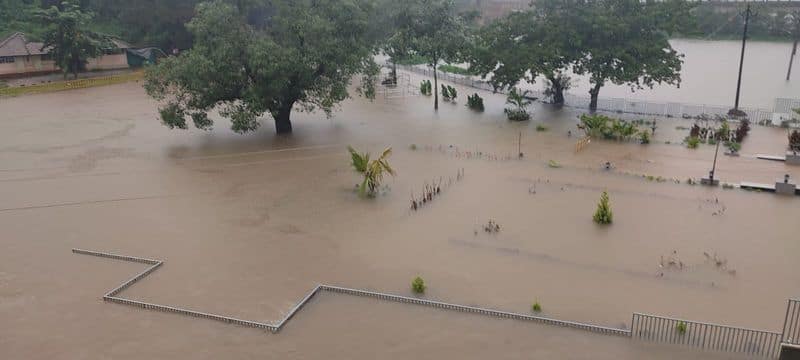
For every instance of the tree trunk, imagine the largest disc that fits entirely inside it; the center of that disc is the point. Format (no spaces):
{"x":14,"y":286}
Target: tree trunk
{"x":283,"y":125}
{"x":558,"y":90}
{"x":594,"y":92}
{"x":435,"y":89}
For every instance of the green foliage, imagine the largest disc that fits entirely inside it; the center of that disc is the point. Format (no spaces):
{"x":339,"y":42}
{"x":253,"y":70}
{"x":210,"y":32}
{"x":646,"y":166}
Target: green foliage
{"x":723,"y":133}
{"x":602,"y":126}
{"x":475,"y":102}
{"x":553,"y":164}
{"x":455,"y":70}
{"x":449,"y":92}
{"x":418,"y":285}
{"x":413,"y":59}
{"x":430,"y":29}
{"x":541,"y":128}
{"x":536,"y":307}
{"x":372,"y":170}
{"x":644,"y":58}
{"x":299,"y":52}
{"x":794,"y":140}
{"x":680,"y":327}
{"x":692,"y":142}
{"x":68,"y":36}
{"x":624,"y":42}
{"x":733,"y":146}
{"x":520,"y":101}
{"x":644,"y":137}
{"x":426,"y":88}
{"x":603,"y":215}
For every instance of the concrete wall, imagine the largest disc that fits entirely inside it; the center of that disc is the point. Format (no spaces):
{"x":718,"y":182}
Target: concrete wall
{"x":108,"y":62}
{"x":27,"y":64}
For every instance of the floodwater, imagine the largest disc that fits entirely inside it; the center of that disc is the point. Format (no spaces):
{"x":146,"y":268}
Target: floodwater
{"x":247,"y":225}
{"x":710,"y":72}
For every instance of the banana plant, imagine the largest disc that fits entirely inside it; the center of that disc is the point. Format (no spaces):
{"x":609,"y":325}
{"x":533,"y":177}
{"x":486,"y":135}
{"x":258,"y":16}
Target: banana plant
{"x":372,"y":170}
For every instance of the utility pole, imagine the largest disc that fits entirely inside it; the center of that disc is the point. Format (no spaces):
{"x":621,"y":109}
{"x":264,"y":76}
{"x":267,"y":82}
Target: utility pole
{"x":791,"y":60}
{"x":794,"y":31}
{"x":735,"y":111}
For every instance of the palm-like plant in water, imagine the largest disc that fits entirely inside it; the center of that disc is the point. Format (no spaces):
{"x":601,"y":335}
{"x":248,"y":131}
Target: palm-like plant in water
{"x":518,"y":99}
{"x":372,"y":170}
{"x":623,"y":129}
{"x":594,"y":124}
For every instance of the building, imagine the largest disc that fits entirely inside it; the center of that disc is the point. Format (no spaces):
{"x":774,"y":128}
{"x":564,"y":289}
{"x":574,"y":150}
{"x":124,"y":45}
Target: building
{"x":20,"y":58}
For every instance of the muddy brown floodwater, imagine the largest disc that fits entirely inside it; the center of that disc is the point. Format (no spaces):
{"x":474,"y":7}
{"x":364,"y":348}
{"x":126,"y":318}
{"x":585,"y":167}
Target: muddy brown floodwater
{"x":249,"y":224}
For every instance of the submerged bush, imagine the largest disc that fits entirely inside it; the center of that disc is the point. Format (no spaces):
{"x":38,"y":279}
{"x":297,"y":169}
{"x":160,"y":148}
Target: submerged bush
{"x":418,"y":285}
{"x":517,"y":115}
{"x":603,"y":214}
{"x":692,"y":142}
{"x":541,"y":128}
{"x":644,"y":137}
{"x":475,"y":102}
{"x":426,"y":88}
{"x":536,"y":307}
{"x":681,"y":327}
{"x":520,"y":101}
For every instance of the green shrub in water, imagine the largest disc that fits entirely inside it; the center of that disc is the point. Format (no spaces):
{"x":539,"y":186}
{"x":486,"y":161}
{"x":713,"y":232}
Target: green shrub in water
{"x":536,"y":307}
{"x":418,"y":285}
{"x":475,"y":102}
{"x":603,"y":214}
{"x":541,"y":128}
{"x":681,"y":327}
{"x":692,"y":142}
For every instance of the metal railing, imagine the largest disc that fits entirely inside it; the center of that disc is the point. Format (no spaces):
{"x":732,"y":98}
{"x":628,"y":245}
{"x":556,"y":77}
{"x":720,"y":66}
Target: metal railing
{"x":620,"y":105}
{"x":646,"y":327}
{"x":478,"y":310}
{"x":705,"y":335}
{"x":791,"y":324}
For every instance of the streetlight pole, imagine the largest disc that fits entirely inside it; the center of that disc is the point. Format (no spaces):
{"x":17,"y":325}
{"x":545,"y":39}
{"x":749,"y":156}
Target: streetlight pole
{"x":714,"y":167}
{"x":735,"y":111}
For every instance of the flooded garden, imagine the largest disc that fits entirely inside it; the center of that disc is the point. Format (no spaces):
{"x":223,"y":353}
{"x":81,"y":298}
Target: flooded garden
{"x":489,"y":212}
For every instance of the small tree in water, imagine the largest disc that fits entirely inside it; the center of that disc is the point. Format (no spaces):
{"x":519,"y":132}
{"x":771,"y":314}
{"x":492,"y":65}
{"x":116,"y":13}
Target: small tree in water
{"x":371,"y":170}
{"x":603,"y":214}
{"x":418,"y":285}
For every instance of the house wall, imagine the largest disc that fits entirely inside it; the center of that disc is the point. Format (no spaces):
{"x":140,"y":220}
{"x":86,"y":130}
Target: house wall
{"x":108,"y":62}
{"x":27,"y":65}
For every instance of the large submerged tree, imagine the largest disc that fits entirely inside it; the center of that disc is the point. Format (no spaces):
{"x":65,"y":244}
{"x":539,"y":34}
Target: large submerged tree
{"x":626,"y":42}
{"x":528,"y":44}
{"x":265,"y":56}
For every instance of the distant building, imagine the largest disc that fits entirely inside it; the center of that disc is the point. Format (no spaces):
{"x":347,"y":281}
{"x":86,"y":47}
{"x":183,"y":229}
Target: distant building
{"x":20,"y":58}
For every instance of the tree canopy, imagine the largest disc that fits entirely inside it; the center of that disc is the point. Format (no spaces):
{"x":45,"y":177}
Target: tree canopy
{"x":431,"y":29}
{"x":69,"y":38}
{"x":626,"y":42}
{"x":612,"y":41}
{"x":265,"y":56}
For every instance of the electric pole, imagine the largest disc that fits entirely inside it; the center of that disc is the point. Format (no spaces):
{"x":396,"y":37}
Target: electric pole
{"x":794,"y":31}
{"x":791,"y":60}
{"x":736,"y":111}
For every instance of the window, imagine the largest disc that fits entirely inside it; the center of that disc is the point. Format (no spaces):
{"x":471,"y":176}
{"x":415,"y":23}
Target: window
{"x":47,"y":57}
{"x":6,"y":59}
